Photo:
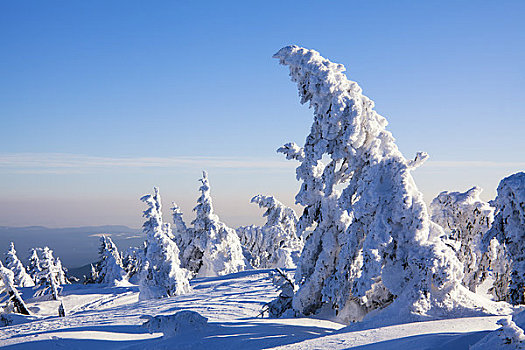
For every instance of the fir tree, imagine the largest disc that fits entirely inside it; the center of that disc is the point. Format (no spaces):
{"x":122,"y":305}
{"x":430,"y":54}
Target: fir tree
{"x":465,"y":219}
{"x":21,"y":277}
{"x":214,"y":249}
{"x":161,"y":275}
{"x":372,"y":243}
{"x":49,"y":280}
{"x":274,"y":245}
{"x":509,"y":229}
{"x":109,"y":268}
{"x":33,"y":269}
{"x":14,"y":302}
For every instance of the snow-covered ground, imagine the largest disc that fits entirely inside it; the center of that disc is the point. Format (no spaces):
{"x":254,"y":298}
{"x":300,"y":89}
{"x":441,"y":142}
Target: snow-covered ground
{"x":112,"y":317}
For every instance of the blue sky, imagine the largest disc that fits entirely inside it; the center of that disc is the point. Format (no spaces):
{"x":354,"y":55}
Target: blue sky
{"x":100,"y":101}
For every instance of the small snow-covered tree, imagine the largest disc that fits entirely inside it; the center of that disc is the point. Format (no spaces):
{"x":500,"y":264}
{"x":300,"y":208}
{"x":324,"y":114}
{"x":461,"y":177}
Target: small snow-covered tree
{"x":372,"y":242}
{"x":33,"y":269}
{"x":14,"y":302}
{"x":93,"y":275}
{"x":161,"y":274}
{"x":132,"y":262}
{"x":61,"y":272}
{"x":276,"y":244}
{"x":509,"y":229}
{"x":214,"y":249}
{"x":465,"y":219}
{"x":182,"y":234}
{"x":49,"y":276}
{"x":109,"y":268}
{"x":21,"y":277}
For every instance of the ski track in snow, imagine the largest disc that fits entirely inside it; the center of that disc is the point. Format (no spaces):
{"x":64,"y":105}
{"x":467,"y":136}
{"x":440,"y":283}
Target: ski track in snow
{"x":110,"y":318}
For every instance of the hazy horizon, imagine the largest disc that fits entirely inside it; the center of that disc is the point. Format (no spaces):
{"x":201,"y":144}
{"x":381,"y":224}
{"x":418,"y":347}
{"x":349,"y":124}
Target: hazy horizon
{"x":102,"y":101}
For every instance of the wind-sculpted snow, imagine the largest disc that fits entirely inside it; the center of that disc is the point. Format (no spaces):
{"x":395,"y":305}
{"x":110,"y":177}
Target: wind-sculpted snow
{"x":509,"y":229}
{"x":373,"y":242}
{"x":276,"y":244}
{"x":107,"y":317}
{"x":465,"y":219}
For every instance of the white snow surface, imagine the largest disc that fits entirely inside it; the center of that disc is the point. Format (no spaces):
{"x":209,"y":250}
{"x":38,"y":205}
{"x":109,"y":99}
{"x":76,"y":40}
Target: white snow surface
{"x":106,"y":317}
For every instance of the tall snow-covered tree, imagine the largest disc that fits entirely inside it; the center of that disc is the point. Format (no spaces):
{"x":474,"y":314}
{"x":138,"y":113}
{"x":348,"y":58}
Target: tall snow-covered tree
{"x":161,"y":274}
{"x":371,"y":243}
{"x":109,"y":268}
{"x":49,"y":277}
{"x":33,"y":269}
{"x":214,"y":249}
{"x":21,"y":277}
{"x":276,"y":244}
{"x":465,"y":219}
{"x":509,"y":229}
{"x":14,"y":302}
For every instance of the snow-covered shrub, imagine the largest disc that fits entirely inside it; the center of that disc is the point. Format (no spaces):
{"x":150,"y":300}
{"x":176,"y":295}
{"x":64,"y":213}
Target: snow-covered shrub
{"x":181,"y":322}
{"x":161,"y":274}
{"x":21,"y":277}
{"x":465,"y":219}
{"x":372,"y":242}
{"x":213,"y":248}
{"x":33,"y":269}
{"x":508,"y":337}
{"x":509,"y":229}
{"x":286,"y":286}
{"x":13,"y":300}
{"x":49,"y":280}
{"x":109,"y":268}
{"x":276,"y":244}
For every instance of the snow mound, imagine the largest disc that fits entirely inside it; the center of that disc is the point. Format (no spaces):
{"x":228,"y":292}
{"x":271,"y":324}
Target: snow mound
{"x":509,"y":336}
{"x":178,"y":323}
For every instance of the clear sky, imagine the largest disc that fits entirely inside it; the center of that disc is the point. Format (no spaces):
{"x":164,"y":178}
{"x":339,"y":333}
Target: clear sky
{"x":102,"y":100}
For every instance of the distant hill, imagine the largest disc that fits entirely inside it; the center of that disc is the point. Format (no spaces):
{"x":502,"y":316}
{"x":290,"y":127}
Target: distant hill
{"x":76,"y":246}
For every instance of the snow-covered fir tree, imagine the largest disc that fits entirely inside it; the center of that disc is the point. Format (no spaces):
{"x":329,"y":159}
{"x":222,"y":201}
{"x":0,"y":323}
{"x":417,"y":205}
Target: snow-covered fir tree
{"x":465,"y":219}
{"x":161,"y":274}
{"x":132,"y":262}
{"x":371,"y":243}
{"x":33,"y":269}
{"x":93,"y":275}
{"x":276,"y":244}
{"x":21,"y":277}
{"x":214,"y":249}
{"x":182,"y":235}
{"x":13,"y":300}
{"x":109,"y":268}
{"x":49,"y":280}
{"x":509,"y":229}
{"x":61,"y":272}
